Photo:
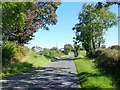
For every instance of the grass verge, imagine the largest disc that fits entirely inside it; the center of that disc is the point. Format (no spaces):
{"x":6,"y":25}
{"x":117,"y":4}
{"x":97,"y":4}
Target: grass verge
{"x":31,"y":61}
{"x":90,"y":76}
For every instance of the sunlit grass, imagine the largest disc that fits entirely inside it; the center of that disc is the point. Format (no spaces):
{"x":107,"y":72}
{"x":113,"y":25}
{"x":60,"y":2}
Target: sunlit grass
{"x":64,"y":56}
{"x":30,"y":62}
{"x":90,"y":76}
{"x":39,"y":62}
{"x":82,"y":53}
{"x":27,"y":60}
{"x":15,"y":69}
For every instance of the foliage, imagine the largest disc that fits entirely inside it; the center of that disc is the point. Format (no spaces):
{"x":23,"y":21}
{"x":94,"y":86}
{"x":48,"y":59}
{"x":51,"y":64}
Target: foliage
{"x":19,"y":59}
{"x":51,"y":53}
{"x":12,"y":52}
{"x":117,"y":47}
{"x":46,"y":14}
{"x":97,"y":73}
{"x":90,"y":76}
{"x":31,"y":61}
{"x":54,"y":48}
{"x":55,"y":52}
{"x":76,"y":49}
{"x":21,"y":52}
{"x":103,"y":46}
{"x":9,"y":51}
{"x":68,"y":48}
{"x":13,"y":20}
{"x":36,"y":59}
{"x":45,"y":51}
{"x":108,"y":59}
{"x":93,"y":23}
{"x":99,"y":5}
{"x":81,"y":48}
{"x":22,"y":19}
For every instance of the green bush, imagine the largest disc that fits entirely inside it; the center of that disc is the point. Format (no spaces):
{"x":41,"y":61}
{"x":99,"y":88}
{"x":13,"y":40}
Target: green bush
{"x":108,"y":59}
{"x":45,"y":51}
{"x":117,"y":47}
{"x":21,"y":52}
{"x":51,"y":53}
{"x":12,"y":52}
{"x":54,"y":53}
{"x":9,"y":51}
{"x":31,"y":61}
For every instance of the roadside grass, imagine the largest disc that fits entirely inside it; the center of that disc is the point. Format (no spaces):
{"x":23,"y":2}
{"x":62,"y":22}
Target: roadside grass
{"x":90,"y":76}
{"x":31,"y":61}
{"x":15,"y":69}
{"x":82,"y":53}
{"x":64,"y":57}
{"x":36,"y":59}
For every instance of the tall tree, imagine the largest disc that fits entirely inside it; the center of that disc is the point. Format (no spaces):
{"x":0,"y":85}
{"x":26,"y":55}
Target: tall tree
{"x":93,"y":23}
{"x":76,"y":49}
{"x":99,"y":5}
{"x":68,"y":48}
{"x":22,"y":19}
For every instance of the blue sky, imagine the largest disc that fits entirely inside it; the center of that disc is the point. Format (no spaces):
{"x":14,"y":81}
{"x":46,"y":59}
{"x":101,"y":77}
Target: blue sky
{"x":62,"y":32}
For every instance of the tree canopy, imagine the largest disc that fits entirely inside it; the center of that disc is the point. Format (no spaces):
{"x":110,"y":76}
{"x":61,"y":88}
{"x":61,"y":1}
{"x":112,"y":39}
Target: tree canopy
{"x":22,"y":19}
{"x":76,"y":49}
{"x":92,"y":25}
{"x":117,"y":47}
{"x":68,"y":48}
{"x":100,"y":5}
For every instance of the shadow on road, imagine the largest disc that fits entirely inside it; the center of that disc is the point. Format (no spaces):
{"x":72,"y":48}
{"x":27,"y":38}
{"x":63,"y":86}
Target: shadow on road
{"x":66,"y":59}
{"x":47,"y":77}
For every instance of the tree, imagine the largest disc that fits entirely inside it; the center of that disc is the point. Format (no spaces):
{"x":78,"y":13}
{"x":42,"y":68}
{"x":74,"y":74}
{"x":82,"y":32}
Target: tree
{"x":117,"y":47}
{"x":68,"y":48}
{"x":76,"y":49}
{"x":22,"y":19}
{"x":13,"y":22}
{"x":92,"y":25}
{"x":54,"y":48}
{"x":103,"y":46}
{"x":100,"y":5}
{"x":46,"y":52}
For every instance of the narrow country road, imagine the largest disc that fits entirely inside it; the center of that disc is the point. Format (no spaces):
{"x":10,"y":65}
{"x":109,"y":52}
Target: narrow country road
{"x":59,"y":75}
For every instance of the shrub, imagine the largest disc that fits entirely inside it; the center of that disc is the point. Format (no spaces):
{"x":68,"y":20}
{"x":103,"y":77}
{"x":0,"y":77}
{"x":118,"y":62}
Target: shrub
{"x":51,"y":53}
{"x":108,"y":59}
{"x":12,"y":52}
{"x":21,"y":51}
{"x":45,"y":51}
{"x":117,"y":47}
{"x":9,"y":51}
{"x":54,"y":53}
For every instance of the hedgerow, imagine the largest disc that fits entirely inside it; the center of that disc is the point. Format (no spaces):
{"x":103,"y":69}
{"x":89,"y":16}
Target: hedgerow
{"x":108,"y":59}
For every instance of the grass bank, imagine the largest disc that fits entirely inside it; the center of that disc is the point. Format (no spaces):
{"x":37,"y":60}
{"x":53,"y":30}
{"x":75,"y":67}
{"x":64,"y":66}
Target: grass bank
{"x":31,"y":61}
{"x":90,"y":75}
{"x":18,"y":59}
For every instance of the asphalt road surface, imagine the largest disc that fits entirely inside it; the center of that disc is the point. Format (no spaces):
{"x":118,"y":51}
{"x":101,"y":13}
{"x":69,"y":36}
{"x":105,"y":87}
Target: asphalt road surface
{"x":59,"y":75}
